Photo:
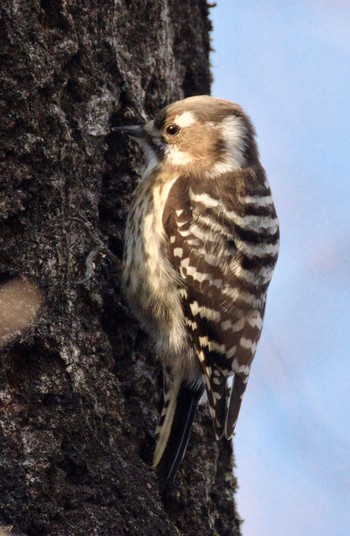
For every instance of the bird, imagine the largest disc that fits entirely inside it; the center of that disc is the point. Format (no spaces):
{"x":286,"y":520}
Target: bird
{"x":201,"y":244}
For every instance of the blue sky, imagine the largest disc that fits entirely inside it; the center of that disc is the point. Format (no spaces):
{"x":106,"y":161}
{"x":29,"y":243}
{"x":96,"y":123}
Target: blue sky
{"x":288,"y":65}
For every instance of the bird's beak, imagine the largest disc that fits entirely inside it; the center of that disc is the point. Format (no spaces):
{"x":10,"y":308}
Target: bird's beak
{"x":136,"y":131}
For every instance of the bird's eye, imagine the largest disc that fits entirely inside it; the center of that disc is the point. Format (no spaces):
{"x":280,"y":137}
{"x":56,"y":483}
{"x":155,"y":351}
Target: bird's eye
{"x":172,"y":130}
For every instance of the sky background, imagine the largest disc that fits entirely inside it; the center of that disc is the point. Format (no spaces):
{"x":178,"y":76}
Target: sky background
{"x":288,"y":65}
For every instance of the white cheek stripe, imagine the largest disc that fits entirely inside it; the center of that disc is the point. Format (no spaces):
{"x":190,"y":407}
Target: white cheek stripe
{"x":233,"y":132}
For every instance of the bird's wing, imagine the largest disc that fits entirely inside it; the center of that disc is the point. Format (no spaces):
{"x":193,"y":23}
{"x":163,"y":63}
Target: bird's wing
{"x":201,"y":247}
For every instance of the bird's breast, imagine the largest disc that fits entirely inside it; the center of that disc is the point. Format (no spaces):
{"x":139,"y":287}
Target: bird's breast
{"x":150,"y":282}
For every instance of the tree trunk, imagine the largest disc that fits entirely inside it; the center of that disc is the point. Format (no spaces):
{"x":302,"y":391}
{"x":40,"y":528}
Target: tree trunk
{"x":79,"y":386}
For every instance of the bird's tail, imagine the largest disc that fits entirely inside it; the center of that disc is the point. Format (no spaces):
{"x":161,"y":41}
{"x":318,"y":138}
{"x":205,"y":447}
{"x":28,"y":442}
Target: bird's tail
{"x":238,"y":387}
{"x":180,"y":404}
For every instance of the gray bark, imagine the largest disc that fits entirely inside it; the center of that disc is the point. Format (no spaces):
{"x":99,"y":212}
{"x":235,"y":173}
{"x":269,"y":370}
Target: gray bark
{"x":79,"y":386}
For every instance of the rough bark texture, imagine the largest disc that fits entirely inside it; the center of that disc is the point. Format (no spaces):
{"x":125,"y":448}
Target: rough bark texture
{"x":79,"y":388}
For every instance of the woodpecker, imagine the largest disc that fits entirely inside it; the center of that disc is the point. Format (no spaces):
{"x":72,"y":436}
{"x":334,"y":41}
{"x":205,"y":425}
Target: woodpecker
{"x":201,"y":243}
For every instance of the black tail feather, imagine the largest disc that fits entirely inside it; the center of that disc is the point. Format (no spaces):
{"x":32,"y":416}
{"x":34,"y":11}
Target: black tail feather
{"x":187,"y":402}
{"x":238,"y":388}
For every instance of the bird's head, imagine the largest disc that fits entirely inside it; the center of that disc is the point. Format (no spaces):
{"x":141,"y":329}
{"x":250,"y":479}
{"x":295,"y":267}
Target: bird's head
{"x":200,"y":135}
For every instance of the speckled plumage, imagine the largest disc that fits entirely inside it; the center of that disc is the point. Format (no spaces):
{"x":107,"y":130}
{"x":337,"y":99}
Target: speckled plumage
{"x":201,"y":243}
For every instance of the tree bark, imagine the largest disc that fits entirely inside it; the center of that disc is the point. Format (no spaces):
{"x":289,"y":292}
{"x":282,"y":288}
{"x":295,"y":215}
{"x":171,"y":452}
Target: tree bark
{"x":79,"y":386}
